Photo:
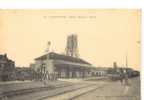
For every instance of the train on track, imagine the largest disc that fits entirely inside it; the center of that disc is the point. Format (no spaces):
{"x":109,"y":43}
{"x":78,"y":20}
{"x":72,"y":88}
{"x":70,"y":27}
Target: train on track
{"x":117,"y":74}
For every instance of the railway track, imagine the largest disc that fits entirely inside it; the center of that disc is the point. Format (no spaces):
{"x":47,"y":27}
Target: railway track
{"x":63,"y":92}
{"x":73,"y":93}
{"x":9,"y":94}
{"x":83,"y":93}
{"x":74,"y":90}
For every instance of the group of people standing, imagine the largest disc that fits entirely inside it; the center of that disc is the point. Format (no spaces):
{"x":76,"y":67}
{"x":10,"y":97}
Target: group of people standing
{"x":124,"y":78}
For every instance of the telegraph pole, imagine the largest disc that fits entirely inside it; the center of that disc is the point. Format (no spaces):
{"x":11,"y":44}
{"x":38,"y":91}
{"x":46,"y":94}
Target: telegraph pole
{"x":47,"y":51}
{"x":126,"y":60}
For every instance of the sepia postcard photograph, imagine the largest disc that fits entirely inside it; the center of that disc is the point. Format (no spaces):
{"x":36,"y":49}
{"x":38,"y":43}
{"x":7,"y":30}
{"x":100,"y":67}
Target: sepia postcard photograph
{"x":70,"y":54}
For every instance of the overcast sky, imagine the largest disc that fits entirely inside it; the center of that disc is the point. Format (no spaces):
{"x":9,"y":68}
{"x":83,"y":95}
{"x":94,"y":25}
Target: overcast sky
{"x":104,"y":36}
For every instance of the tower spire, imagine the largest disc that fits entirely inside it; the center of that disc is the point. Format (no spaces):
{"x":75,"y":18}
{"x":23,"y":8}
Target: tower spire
{"x":48,"y":47}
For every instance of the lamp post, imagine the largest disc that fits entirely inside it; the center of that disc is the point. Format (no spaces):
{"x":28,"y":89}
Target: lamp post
{"x":43,"y":71}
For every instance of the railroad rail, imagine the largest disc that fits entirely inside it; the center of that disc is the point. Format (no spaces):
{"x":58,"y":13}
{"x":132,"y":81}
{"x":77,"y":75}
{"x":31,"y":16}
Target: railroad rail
{"x":73,"y":90}
{"x":30,"y":90}
{"x":49,"y":88}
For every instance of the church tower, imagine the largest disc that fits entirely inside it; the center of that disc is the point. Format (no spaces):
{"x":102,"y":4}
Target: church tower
{"x":72,"y":46}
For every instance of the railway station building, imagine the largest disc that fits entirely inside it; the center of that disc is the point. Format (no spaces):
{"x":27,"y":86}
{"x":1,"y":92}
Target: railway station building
{"x":62,"y":66}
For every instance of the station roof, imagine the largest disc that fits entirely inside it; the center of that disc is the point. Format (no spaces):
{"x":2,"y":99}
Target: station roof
{"x":101,"y":68}
{"x":56,"y":56}
{"x":72,"y":64}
